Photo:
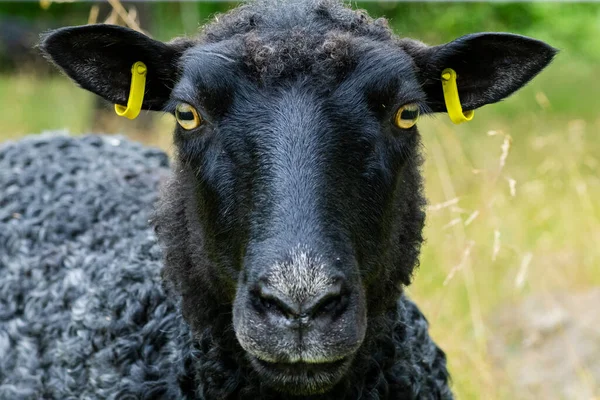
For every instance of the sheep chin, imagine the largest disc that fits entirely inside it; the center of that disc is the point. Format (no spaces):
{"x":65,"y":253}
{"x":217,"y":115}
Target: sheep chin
{"x":301,"y":378}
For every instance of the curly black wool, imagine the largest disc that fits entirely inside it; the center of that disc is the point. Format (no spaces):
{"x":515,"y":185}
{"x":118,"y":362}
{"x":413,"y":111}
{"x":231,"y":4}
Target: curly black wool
{"x":83,"y":313}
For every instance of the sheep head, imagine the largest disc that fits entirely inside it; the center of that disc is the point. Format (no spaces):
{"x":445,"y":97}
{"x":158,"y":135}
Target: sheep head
{"x":295,"y":210}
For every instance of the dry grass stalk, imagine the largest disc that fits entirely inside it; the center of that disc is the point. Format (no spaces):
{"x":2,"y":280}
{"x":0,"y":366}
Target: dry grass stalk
{"x":542,"y":100}
{"x":496,"y":246}
{"x":523,"y":269}
{"x":472,"y":217}
{"x":445,"y":204}
{"x":505,"y":150}
{"x":452,"y":223}
{"x":93,"y":16}
{"x":512,"y":185}
{"x":463,"y":261}
{"x":128,"y":17}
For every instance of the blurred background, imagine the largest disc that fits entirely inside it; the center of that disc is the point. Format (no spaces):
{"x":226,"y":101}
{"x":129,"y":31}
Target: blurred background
{"x":510,"y":273}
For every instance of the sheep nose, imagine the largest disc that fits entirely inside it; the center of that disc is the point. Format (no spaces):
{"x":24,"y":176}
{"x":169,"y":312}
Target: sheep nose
{"x":300,"y":306}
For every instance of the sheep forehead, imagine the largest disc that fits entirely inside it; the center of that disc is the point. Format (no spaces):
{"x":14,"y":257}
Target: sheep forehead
{"x":290,"y":36}
{"x":297,"y":52}
{"x":285,"y":16}
{"x":300,"y":277}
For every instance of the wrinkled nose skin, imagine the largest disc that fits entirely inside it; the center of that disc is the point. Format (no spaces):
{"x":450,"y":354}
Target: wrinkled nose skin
{"x":298,"y":307}
{"x":300,"y":320}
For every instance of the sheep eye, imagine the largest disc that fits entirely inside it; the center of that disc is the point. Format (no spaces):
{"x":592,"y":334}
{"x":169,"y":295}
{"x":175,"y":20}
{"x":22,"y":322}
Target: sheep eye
{"x":187,"y":116}
{"x":406,"y":117}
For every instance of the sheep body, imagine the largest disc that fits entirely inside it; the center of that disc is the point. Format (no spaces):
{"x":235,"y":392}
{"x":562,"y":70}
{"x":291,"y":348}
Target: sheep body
{"x":83,"y":313}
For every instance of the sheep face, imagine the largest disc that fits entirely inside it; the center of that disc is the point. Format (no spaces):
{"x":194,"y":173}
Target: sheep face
{"x":295,"y":182}
{"x":295,"y":211}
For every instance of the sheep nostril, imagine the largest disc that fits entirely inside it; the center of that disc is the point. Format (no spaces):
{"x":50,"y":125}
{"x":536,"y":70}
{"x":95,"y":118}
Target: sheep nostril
{"x":271,"y":302}
{"x":328,"y":305}
{"x":274,"y":304}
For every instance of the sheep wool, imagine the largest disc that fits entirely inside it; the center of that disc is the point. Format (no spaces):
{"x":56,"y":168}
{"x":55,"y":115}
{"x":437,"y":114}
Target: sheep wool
{"x":83,"y":312}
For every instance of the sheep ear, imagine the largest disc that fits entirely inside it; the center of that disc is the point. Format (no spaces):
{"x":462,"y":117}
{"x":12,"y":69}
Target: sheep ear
{"x":489,"y":66}
{"x":99,"y":58}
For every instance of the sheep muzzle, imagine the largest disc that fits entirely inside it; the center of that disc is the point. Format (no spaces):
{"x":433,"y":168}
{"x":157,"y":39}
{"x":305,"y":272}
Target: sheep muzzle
{"x":300,"y":320}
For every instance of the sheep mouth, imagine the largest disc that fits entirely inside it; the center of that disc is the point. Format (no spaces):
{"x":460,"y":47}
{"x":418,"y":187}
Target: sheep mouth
{"x":301,"y":378}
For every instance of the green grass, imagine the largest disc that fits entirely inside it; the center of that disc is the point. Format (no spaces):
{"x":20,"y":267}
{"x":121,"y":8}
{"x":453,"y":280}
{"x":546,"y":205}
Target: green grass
{"x":30,"y":105}
{"x":548,"y":230}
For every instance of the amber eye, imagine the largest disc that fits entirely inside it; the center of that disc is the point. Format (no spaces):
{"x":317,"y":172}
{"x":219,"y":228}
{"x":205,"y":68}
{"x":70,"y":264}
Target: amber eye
{"x":187,"y":116}
{"x":406,"y":117}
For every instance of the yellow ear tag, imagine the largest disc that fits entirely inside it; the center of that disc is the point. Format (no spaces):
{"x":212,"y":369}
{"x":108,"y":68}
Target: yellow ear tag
{"x":136,"y":92}
{"x":455,"y":111}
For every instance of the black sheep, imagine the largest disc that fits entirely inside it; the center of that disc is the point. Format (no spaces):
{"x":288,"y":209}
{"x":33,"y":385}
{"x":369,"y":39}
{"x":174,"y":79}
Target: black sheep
{"x":83,"y":313}
{"x":294,"y":214}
